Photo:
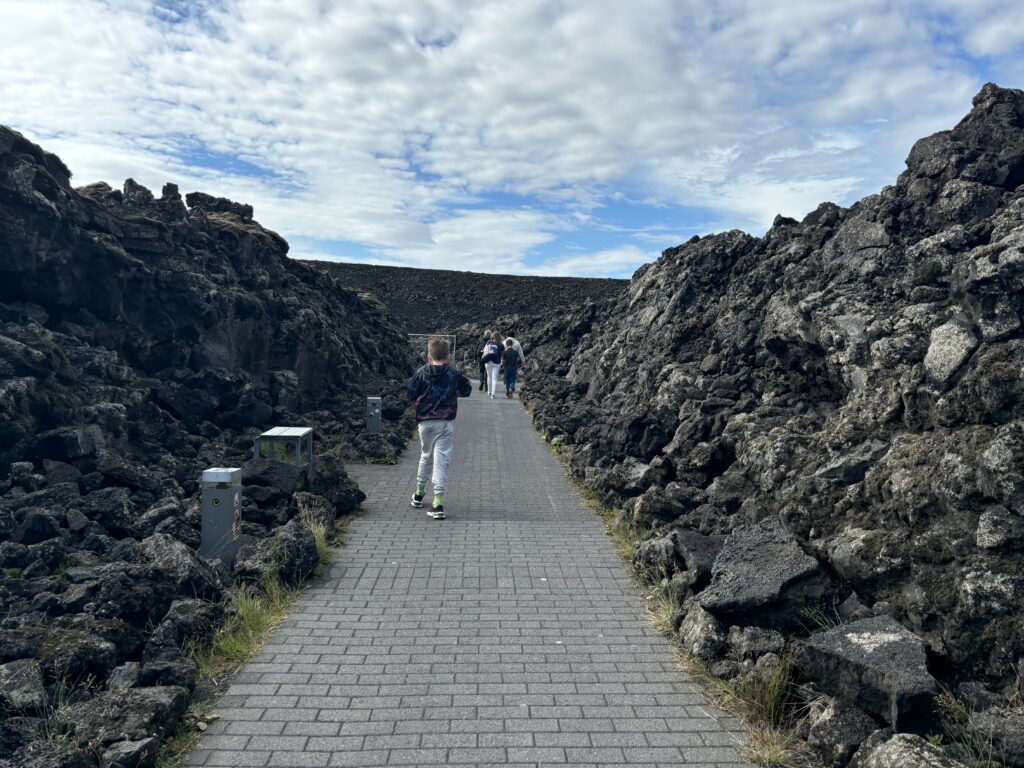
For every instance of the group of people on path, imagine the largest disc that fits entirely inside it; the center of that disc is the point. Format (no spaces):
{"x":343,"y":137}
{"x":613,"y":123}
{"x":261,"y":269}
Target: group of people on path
{"x":500,"y":354}
{"x":435,"y":389}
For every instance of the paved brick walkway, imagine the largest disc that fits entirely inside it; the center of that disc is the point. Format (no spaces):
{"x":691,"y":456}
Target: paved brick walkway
{"x":507,"y":635}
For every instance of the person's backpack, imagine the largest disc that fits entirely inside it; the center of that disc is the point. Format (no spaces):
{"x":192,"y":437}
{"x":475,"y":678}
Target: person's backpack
{"x":493,"y":353}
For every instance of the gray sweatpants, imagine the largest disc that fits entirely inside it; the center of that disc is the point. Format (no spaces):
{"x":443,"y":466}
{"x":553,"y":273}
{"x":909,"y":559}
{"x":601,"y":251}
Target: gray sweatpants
{"x":436,"y":439}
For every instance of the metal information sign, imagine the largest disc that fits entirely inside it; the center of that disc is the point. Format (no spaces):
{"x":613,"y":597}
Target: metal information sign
{"x":373,"y":415}
{"x":221,"y":513}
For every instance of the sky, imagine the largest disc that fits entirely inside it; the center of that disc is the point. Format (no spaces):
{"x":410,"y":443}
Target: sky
{"x":566,"y":137}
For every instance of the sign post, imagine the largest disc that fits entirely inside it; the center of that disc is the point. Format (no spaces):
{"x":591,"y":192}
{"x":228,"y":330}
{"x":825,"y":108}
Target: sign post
{"x":221,"y":513}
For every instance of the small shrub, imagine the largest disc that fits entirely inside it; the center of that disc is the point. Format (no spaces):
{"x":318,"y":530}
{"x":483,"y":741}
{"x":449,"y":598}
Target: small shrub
{"x":381,"y":460}
{"x":12,"y":573}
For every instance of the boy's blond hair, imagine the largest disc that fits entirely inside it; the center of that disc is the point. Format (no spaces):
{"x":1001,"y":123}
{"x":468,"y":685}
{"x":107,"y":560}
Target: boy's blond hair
{"x":438,"y":349}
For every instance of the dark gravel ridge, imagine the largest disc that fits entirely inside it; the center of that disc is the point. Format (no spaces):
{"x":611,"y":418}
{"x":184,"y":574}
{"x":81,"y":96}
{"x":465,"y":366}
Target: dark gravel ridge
{"x":439,"y":300}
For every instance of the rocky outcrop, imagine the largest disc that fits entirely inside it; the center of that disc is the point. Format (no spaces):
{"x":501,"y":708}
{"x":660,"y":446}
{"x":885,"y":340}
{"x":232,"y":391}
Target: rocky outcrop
{"x":142,"y":340}
{"x":852,"y":382}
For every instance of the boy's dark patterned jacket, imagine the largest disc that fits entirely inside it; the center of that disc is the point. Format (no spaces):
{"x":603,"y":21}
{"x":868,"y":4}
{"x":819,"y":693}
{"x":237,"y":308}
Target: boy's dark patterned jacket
{"x":436,"y":389}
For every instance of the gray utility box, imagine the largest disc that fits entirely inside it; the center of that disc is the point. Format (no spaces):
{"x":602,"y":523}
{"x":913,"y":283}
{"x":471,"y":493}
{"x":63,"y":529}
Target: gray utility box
{"x":373,"y":415}
{"x":222,"y":513}
{"x":293,"y":445}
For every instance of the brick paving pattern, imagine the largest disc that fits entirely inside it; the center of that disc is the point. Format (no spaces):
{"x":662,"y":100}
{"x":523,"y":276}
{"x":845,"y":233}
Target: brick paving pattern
{"x":507,"y":635}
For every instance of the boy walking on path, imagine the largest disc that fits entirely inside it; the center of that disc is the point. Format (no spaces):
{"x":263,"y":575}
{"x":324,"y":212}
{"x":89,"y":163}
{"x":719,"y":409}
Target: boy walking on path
{"x":510,"y":359}
{"x":435,"y":388}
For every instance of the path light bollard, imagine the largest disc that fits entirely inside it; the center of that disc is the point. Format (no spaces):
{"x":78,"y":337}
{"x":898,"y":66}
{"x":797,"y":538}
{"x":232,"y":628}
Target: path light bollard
{"x":373,"y":415}
{"x":293,"y":445}
{"x":222,"y":513}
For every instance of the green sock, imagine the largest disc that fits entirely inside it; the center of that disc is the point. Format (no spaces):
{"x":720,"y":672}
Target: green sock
{"x":421,"y":490}
{"x":438,"y":500}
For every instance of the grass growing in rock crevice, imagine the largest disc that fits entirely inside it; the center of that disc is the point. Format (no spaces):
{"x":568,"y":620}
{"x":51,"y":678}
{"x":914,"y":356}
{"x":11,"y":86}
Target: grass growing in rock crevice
{"x":974,"y":748}
{"x":251,"y":618}
{"x":769,"y":706}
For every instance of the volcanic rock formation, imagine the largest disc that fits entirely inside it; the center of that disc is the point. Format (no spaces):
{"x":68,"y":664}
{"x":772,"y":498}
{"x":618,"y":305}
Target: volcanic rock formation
{"x":853,"y":381}
{"x":142,"y":340}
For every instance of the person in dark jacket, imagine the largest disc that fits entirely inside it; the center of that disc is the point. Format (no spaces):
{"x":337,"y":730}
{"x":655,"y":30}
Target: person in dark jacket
{"x":510,"y":359}
{"x":492,"y":361}
{"x":435,"y":389}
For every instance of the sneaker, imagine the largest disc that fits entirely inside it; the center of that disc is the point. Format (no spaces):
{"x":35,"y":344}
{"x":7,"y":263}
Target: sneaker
{"x":492,"y":396}
{"x":508,"y":393}
{"x":436,"y":512}
{"x":483,"y":386}
{"x":417,"y":500}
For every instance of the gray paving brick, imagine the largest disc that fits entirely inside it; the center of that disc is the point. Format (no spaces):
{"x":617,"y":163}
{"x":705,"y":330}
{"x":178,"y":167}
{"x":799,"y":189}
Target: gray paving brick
{"x":508,"y":635}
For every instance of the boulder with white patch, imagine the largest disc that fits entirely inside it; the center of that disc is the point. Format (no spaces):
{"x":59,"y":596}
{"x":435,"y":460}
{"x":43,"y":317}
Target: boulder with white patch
{"x":877,"y":664}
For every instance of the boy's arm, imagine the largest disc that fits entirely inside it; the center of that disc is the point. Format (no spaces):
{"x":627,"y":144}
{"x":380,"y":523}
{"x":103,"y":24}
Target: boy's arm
{"x":413,"y":389}
{"x":464,"y":387}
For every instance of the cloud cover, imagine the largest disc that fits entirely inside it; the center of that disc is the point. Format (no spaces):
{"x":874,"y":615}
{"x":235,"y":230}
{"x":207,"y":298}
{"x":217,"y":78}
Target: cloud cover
{"x":519,"y":136}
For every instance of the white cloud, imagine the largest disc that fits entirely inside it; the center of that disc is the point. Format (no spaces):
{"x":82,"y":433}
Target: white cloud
{"x":614,"y":262}
{"x":379,"y":122}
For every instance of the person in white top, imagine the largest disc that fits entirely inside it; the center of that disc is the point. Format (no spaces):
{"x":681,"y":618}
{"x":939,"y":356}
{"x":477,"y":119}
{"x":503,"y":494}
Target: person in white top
{"x":492,"y":361}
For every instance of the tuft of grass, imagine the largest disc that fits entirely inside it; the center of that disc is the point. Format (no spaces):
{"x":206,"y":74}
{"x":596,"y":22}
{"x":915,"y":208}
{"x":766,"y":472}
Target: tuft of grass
{"x":65,"y":566}
{"x":12,"y":573}
{"x":769,"y":709}
{"x":389,"y":460}
{"x":185,"y":737}
{"x":973,"y":748}
{"x":660,"y":608}
{"x":61,"y":694}
{"x":323,"y":540}
{"x":251,"y":619}
{"x":775,"y":748}
{"x":822,"y":619}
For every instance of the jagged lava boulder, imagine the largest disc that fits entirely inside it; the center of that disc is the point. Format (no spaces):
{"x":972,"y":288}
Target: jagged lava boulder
{"x":878,"y":664}
{"x":762,"y":577}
